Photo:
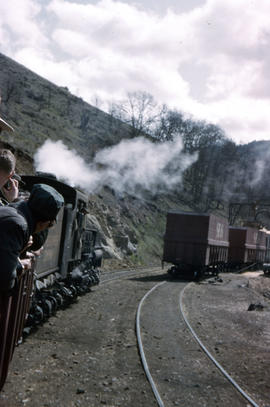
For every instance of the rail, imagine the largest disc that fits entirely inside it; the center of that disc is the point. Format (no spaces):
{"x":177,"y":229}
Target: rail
{"x":211,"y":357}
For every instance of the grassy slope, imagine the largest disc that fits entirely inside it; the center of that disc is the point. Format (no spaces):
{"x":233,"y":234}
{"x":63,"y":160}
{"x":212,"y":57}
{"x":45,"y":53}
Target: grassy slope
{"x":39,"y":110}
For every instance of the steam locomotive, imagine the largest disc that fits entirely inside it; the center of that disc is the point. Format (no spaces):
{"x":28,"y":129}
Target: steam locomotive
{"x":202,"y":244}
{"x":67,"y":266}
{"x":69,"y":263}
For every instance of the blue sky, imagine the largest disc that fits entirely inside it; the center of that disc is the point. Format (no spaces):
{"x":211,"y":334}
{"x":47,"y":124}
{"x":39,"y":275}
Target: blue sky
{"x":208,"y":58}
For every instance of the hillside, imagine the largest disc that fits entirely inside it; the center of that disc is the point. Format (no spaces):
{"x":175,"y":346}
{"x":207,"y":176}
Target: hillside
{"x":38,"y":110}
{"x":131,"y":226}
{"x":132,"y":229}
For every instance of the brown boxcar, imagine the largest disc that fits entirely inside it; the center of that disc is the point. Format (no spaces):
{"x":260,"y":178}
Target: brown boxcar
{"x":267,"y":247}
{"x":243,"y":245}
{"x":195,"y":241}
{"x":266,"y":264}
{"x":261,"y":246}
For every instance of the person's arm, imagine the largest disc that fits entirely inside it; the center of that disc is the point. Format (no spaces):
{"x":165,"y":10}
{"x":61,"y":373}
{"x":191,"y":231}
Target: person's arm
{"x":12,"y":238}
{"x":8,"y":266}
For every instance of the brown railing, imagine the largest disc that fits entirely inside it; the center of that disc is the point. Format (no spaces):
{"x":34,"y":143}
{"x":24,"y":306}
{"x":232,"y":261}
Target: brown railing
{"x":13,"y":313}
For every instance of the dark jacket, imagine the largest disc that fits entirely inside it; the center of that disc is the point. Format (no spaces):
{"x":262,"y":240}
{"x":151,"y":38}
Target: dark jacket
{"x":16,"y":226}
{"x":3,"y":200}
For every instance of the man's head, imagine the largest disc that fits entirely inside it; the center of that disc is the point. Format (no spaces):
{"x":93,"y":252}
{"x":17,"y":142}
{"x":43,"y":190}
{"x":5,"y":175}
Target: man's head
{"x":7,"y":166}
{"x":44,"y":203}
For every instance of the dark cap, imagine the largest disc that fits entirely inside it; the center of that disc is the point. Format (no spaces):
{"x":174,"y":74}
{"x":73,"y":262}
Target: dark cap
{"x":45,"y":202}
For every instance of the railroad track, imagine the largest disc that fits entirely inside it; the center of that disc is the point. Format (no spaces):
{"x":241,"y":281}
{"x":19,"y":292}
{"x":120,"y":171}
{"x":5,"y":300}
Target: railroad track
{"x":154,"y":375}
{"x":181,"y":376}
{"x":108,"y":276}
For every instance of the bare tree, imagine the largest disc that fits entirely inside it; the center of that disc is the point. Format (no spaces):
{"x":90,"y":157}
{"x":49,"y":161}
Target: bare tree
{"x":171,"y":124}
{"x":140,"y":111}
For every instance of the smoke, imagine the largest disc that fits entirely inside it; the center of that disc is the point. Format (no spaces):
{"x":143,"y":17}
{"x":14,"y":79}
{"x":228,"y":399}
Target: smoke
{"x":132,"y":166}
{"x":247,"y":175}
{"x":258,"y":172}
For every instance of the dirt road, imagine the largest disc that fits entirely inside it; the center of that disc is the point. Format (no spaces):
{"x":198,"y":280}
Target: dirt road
{"x":87,"y":355}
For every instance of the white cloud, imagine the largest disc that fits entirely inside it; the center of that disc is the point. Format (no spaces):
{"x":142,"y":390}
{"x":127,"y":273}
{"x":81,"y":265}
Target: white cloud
{"x":72,"y":43}
{"x":19,"y":26}
{"x":110,"y":48}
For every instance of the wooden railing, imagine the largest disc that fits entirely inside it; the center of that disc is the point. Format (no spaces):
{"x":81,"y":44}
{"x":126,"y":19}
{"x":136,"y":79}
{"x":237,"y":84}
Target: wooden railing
{"x":14,"y":307}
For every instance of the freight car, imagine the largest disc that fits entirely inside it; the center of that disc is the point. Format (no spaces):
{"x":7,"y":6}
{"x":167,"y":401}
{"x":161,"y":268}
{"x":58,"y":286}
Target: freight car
{"x":261,"y":248}
{"x":196,"y":244}
{"x":67,"y":266}
{"x":266,"y":263}
{"x":247,"y":248}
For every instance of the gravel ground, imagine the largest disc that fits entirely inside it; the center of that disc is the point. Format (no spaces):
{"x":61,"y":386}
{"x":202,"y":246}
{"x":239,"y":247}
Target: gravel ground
{"x":182,"y":372}
{"x":87,"y":354}
{"x":239,"y":339}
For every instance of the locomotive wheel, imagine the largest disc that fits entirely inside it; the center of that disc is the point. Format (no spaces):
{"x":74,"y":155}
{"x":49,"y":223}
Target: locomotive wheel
{"x":59,"y":299}
{"x":47,"y":306}
{"x":38,"y":315}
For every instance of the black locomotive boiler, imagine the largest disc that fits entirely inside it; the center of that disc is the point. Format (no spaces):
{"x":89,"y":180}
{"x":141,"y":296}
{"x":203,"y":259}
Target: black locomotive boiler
{"x":69,"y":263}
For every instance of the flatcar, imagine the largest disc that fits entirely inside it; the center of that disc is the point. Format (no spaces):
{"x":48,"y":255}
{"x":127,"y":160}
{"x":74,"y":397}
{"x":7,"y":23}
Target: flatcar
{"x":195,"y":243}
{"x":66,"y":267}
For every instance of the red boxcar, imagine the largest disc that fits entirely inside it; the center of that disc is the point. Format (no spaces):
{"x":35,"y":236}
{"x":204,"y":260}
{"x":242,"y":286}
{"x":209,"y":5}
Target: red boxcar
{"x":247,"y":246}
{"x":267,"y":244}
{"x":261,"y":246}
{"x":266,"y":263}
{"x":195,"y":241}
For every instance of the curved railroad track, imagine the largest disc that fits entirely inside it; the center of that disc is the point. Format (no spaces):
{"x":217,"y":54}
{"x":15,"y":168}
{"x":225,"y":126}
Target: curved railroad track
{"x":164,"y":388}
{"x":106,"y":277}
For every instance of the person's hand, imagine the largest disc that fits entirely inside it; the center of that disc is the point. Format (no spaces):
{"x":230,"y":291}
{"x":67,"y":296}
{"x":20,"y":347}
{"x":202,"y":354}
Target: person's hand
{"x":12,"y":191}
{"x":37,"y":253}
{"x":29,"y":244}
{"x":26,"y":263}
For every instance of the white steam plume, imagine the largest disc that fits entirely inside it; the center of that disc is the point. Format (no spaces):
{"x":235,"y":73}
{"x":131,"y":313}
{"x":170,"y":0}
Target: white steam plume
{"x":130,"y":167}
